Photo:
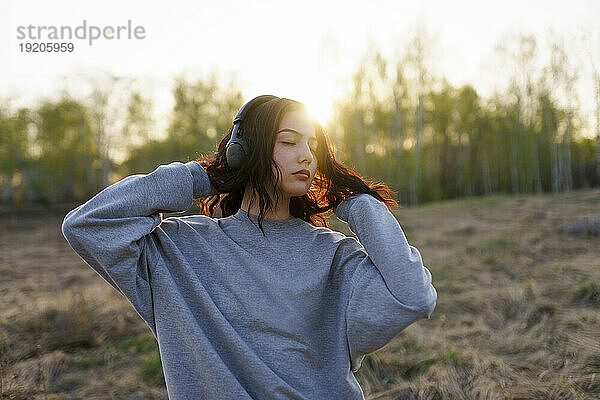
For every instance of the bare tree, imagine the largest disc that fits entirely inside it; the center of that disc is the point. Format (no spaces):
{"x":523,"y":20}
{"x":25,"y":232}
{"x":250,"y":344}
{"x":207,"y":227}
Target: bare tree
{"x":524,"y":151}
{"x":417,"y":54}
{"x":593,"y":52}
{"x":108,"y":98}
{"x":564,"y":77}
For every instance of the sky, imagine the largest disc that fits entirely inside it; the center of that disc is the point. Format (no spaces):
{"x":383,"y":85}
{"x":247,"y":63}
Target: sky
{"x":305,"y":50}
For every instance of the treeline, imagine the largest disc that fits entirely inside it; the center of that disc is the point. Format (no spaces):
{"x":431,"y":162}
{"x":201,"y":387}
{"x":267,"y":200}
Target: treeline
{"x":69,"y":149}
{"x":425,"y":138}
{"x":433,"y":141}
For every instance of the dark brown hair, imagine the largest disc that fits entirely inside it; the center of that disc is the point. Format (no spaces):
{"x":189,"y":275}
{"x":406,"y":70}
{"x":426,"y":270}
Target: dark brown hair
{"x":333,"y":181}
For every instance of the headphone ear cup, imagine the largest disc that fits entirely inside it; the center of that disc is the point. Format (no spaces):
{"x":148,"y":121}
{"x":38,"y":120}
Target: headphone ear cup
{"x":236,"y":151}
{"x":235,"y":155}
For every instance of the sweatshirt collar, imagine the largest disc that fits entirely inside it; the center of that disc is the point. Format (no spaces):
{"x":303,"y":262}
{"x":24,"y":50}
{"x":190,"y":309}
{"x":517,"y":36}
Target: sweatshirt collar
{"x":268,"y":222}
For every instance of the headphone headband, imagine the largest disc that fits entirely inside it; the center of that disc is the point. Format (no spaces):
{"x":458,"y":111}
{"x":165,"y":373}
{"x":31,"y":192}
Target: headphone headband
{"x":246,"y":107}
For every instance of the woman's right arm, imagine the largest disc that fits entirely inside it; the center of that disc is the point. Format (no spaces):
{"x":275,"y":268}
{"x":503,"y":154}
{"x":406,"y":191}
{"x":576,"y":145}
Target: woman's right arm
{"x":110,"y":230}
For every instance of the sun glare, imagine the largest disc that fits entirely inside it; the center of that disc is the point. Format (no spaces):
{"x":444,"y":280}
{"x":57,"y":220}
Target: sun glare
{"x":319,"y":108}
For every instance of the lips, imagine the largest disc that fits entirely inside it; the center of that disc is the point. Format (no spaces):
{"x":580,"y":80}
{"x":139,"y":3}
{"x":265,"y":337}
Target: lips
{"x":302,"y":171}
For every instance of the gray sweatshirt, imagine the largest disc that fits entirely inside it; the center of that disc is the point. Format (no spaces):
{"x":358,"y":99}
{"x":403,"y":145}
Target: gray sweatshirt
{"x":239,"y":315}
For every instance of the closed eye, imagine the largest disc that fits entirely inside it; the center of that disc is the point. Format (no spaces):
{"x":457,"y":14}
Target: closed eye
{"x":293,"y":143}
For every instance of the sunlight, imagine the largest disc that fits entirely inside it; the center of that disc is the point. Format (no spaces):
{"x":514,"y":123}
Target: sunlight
{"x":319,"y":107}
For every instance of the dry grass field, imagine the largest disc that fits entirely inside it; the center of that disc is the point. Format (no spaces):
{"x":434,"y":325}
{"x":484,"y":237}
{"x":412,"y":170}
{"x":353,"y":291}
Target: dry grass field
{"x":518,"y":313}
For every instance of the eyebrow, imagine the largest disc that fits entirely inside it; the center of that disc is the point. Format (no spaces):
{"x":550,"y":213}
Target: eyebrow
{"x":294,"y":131}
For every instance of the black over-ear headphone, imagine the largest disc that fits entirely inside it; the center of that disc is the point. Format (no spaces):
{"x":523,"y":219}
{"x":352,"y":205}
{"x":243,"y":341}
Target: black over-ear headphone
{"x":236,"y":150}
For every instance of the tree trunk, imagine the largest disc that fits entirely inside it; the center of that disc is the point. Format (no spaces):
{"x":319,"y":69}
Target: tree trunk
{"x":417,"y":160}
{"x":597,"y":98}
{"x":460,"y":173}
{"x":514,"y":172}
{"x":551,"y":133}
{"x":487,"y":182}
{"x":536,"y":166}
{"x":567,"y":169}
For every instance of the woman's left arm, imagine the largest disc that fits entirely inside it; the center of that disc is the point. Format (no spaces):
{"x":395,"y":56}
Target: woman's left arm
{"x":391,"y":286}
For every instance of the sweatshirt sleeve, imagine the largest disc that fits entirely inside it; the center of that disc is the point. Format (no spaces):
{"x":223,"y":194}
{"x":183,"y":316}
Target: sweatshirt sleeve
{"x":110,"y":231}
{"x":391,"y":286}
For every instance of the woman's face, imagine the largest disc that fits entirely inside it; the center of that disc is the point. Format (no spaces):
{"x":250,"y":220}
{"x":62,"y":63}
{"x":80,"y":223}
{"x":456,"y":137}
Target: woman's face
{"x":295,"y":149}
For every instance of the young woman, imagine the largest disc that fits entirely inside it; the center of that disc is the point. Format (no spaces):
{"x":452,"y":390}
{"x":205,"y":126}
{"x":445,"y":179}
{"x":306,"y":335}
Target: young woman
{"x":264,"y":301}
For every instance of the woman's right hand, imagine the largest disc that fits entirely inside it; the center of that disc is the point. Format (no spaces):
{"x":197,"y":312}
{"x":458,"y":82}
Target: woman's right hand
{"x":213,"y":191}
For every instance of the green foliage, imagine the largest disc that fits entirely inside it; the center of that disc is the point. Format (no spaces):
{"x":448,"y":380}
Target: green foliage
{"x":13,"y":140}
{"x":587,"y":293}
{"x":141,"y":343}
{"x":90,"y":361}
{"x":491,"y":244}
{"x":391,"y":365}
{"x":450,"y":355}
{"x":151,"y":370}
{"x":592,"y":364}
{"x":203,"y":112}
{"x":500,"y":242}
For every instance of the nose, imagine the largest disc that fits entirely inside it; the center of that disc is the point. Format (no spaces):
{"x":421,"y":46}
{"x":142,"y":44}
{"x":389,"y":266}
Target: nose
{"x":306,"y":154}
